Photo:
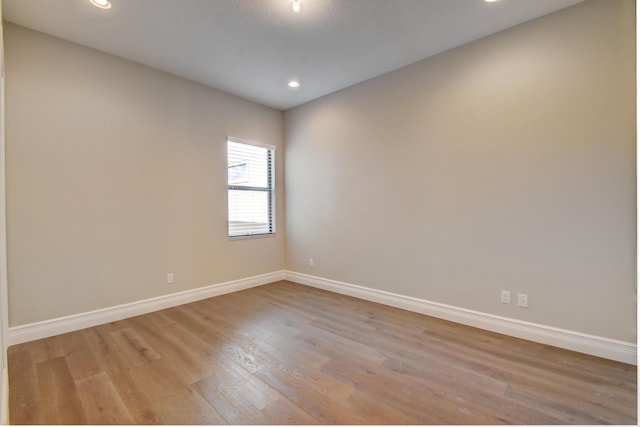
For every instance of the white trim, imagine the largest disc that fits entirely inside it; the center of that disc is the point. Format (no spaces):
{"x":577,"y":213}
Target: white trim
{"x":4,"y":398}
{"x":571,"y":340}
{"x":48,"y":328}
{"x":250,"y":142}
{"x":4,"y":301}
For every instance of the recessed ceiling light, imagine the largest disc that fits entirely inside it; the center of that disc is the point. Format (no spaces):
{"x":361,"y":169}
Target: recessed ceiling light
{"x":293,"y":84}
{"x":296,"y":6}
{"x":490,"y":1}
{"x":102,"y":4}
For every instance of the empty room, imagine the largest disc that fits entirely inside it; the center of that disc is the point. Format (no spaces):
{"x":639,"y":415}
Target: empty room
{"x":318,"y":212}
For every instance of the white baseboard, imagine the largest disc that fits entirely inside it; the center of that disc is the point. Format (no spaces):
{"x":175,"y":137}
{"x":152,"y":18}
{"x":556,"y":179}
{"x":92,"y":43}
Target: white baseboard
{"x":571,"y":340}
{"x":48,"y":328}
{"x":597,"y":346}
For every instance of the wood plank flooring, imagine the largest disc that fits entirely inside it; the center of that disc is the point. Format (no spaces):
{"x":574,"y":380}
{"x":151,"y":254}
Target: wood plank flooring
{"x":284,"y":353}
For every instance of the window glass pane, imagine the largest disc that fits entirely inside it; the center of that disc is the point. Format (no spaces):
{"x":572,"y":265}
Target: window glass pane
{"x":248,"y":212}
{"x":239,"y":173}
{"x":256,"y":160}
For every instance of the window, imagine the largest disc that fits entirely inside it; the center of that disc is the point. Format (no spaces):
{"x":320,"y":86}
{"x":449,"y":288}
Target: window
{"x":250,"y":182}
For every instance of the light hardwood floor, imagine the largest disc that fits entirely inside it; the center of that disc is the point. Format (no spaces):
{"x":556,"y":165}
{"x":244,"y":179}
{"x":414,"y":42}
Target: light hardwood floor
{"x":284,"y":353}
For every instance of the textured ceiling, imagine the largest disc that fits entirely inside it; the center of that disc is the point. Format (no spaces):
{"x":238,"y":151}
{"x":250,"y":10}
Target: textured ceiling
{"x":252,"y":48}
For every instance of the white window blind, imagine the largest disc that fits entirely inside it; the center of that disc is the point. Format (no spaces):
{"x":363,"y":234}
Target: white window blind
{"x":250,"y":168}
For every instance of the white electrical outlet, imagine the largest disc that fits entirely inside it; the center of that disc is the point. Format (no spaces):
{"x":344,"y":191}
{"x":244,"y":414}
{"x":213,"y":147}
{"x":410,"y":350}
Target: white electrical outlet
{"x":523,"y":300}
{"x":505,"y":297}
{"x":311,"y":262}
{"x":169,"y":278}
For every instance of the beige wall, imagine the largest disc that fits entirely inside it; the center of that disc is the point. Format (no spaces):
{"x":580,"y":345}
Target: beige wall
{"x":508,"y":163}
{"x":116,"y":175}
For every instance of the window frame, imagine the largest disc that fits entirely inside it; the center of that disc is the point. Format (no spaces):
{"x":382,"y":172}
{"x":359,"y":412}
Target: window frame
{"x":270,"y":188}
